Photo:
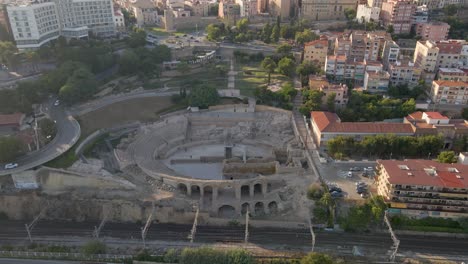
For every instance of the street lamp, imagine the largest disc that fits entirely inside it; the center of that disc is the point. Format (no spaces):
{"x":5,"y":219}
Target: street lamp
{"x":429,"y":155}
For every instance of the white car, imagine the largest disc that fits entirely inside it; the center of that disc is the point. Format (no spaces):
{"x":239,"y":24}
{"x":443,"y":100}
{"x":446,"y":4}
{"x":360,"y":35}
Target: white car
{"x":350,"y":174}
{"x":11,"y":166}
{"x":57,"y":103}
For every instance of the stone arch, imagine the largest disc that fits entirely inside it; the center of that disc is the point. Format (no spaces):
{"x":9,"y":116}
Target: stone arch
{"x":245,"y":208}
{"x":269,"y":187}
{"x":273,"y":207}
{"x":227,"y":211}
{"x":196,"y":191}
{"x":259,"y":208}
{"x":245,"y":191}
{"x":182,"y":188}
{"x":258,"y":189}
{"x":208,"y":192}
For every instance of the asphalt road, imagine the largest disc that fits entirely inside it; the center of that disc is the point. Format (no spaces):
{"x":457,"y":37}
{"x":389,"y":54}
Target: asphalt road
{"x":68,"y":132}
{"x":35,"y":261}
{"x":295,"y":239}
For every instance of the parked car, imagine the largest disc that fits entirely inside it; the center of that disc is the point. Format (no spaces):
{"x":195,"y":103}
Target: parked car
{"x":11,"y":166}
{"x":370,"y":168}
{"x":335,"y":189}
{"x":360,"y":184}
{"x":336,"y":194}
{"x":355,"y":169}
{"x":57,"y":103}
{"x":350,"y":174}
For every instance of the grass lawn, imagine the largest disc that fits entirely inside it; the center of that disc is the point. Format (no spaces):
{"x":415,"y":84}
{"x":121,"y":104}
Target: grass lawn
{"x":159,"y":31}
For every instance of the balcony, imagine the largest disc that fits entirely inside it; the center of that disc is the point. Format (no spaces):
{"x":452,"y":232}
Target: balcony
{"x":463,"y":204}
{"x":420,"y":189}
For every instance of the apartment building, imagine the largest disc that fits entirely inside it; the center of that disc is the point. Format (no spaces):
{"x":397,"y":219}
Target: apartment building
{"x":319,"y":10}
{"x":119,"y":19}
{"x":375,"y":3}
{"x":145,"y":12}
{"x":36,"y":23}
{"x":321,"y":84}
{"x":367,"y":13}
{"x":228,"y":8}
{"x":434,"y":31}
{"x":198,"y":8}
{"x":450,"y":53}
{"x":421,"y":15}
{"x":342,"y":45}
{"x":376,"y":81}
{"x":390,"y":53}
{"x":281,"y":8}
{"x":328,"y":125}
{"x":316,"y":51}
{"x":449,"y":74}
{"x":404,"y":73}
{"x":426,"y":55}
{"x":248,"y":8}
{"x":423,"y":188}
{"x":449,"y":92}
{"x":375,"y":42}
{"x":399,"y":14}
{"x":360,"y":45}
{"x":335,"y":66}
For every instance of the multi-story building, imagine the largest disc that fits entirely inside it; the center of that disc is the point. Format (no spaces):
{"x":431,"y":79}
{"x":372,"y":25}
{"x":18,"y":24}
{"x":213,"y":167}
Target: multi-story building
{"x":464,"y":56}
{"x":434,"y":31}
{"x":449,"y":92}
{"x":390,"y":53}
{"x":4,"y":21}
{"x":358,"y":45}
{"x":318,"y":10}
{"x":429,"y":4}
{"x":198,"y":8}
{"x":449,"y":74}
{"x":248,"y":8}
{"x":145,"y":12}
{"x":119,"y":19}
{"x":421,"y":15}
{"x":404,"y":73}
{"x":375,"y":42}
{"x":375,"y":3}
{"x":36,"y":23}
{"x":423,"y":188}
{"x":328,"y":125}
{"x":262,"y":6}
{"x":228,"y":8}
{"x":426,"y":55}
{"x":316,"y":51}
{"x":398,"y":14}
{"x":342,"y":45}
{"x":280,"y":8}
{"x":367,"y":13}
{"x":376,"y":81}
{"x":335,"y":66}
{"x":321,"y":84}
{"x":450,"y":53}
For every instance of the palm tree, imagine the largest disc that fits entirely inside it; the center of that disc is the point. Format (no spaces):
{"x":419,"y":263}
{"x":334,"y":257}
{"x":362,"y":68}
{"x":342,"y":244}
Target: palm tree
{"x":269,"y":65}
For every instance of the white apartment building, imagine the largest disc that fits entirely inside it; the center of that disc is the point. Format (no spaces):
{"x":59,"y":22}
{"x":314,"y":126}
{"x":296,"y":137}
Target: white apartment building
{"x":449,"y":92}
{"x":367,"y":13}
{"x":36,"y":23}
{"x":248,"y":8}
{"x":426,"y":54}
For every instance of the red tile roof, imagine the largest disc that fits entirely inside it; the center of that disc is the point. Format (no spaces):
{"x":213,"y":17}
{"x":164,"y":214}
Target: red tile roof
{"x":436,"y":115}
{"x":415,"y":116}
{"x":447,"y":47}
{"x":316,"y":42}
{"x":417,"y":175}
{"x":451,"y":83}
{"x":11,"y":119}
{"x":329,"y":122}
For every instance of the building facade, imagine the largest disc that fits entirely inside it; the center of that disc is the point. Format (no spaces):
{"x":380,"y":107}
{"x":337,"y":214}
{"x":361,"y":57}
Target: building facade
{"x":390,"y":54}
{"x":404,"y":73}
{"x":319,"y":10}
{"x":321,"y":84}
{"x":36,"y":23}
{"x":449,"y":92}
{"x":367,"y":13}
{"x":448,"y":74}
{"x":376,"y":81}
{"x":426,"y":55}
{"x":434,"y":31}
{"x":316,"y":52}
{"x":422,"y":188}
{"x":398,"y":14}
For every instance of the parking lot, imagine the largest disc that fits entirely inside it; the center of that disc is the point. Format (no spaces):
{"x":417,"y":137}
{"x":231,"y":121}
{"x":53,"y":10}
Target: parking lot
{"x":346,"y":175}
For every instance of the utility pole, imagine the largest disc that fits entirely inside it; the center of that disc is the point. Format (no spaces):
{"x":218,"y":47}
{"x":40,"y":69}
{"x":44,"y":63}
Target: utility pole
{"x":36,"y":134}
{"x":312,"y":233}
{"x":194,"y":227}
{"x":396,"y":241}
{"x":144,"y":230}
{"x":246,"y":238}
{"x":98,"y":229}
{"x":30,"y":227}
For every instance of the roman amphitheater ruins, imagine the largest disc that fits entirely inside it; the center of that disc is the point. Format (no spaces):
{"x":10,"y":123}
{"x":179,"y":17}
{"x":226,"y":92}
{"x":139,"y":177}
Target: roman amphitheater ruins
{"x":226,"y":161}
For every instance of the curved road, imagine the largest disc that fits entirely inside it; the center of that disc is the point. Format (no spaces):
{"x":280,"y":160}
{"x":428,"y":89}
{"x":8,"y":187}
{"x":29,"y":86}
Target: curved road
{"x":68,"y":133}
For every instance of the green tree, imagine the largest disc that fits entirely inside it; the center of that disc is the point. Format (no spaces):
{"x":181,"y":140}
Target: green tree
{"x":312,"y":101}
{"x":284,"y":49}
{"x":47,"y":128}
{"x":317,"y":258}
{"x":275,"y":34}
{"x":203,"y":96}
{"x":350,"y":14}
{"x":183,"y":68}
{"x":447,"y":157}
{"x":331,"y":102}
{"x":129,"y":62}
{"x":137,"y":38}
{"x":269,"y":65}
{"x":94,"y":247}
{"x":305,"y":36}
{"x":266,"y":33}
{"x":464,"y":113}
{"x":80,"y":86}
{"x":10,"y":148}
{"x":242,"y":25}
{"x":286,"y":66}
{"x":390,"y":29}
{"x":215,"y":32}
{"x":315,"y":192}
{"x":6,"y":49}
{"x":222,"y":70}
{"x":305,"y":69}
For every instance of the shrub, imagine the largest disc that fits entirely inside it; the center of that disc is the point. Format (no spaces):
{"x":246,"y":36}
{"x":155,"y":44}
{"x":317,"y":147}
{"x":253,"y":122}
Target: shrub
{"x":94,"y":247}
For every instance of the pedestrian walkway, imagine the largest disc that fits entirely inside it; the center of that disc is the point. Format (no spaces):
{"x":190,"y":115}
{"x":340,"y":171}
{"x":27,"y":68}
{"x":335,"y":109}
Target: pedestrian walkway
{"x":232,"y":76}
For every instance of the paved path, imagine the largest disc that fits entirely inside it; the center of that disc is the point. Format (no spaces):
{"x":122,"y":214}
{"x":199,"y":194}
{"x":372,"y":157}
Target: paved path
{"x":68,"y":133}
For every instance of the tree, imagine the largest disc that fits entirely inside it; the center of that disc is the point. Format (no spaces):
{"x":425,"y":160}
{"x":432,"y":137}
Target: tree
{"x":183,"y":68}
{"x":94,"y":247}
{"x":137,"y":38}
{"x":284,"y":49}
{"x":305,"y":69}
{"x":447,"y":157}
{"x":317,"y":258}
{"x":129,"y":62}
{"x":6,"y":49}
{"x":305,"y":36}
{"x":242,"y":25}
{"x":266,"y":33}
{"x":34,"y":58}
{"x":80,"y":86}
{"x":275,"y":34}
{"x":331,"y":102}
{"x":464,"y":113}
{"x":215,"y":32}
{"x":315,"y":192}
{"x":47,"y":128}
{"x":10,"y":148}
{"x":269,"y":65}
{"x":221,"y":70}
{"x":390,"y":29}
{"x":286,"y":66}
{"x":350,"y":14}
{"x":203,"y":96}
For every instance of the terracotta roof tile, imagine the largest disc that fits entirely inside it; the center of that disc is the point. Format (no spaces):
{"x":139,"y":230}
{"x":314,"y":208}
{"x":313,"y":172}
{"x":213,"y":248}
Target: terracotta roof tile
{"x":11,"y":119}
{"x":323,"y":119}
{"x":450,"y":83}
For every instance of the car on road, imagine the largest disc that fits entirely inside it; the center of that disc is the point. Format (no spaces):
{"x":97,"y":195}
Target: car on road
{"x":355,"y":169}
{"x":350,"y":174}
{"x":336,"y":194}
{"x":11,"y":166}
{"x":369,"y":168}
{"x":57,"y":103}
